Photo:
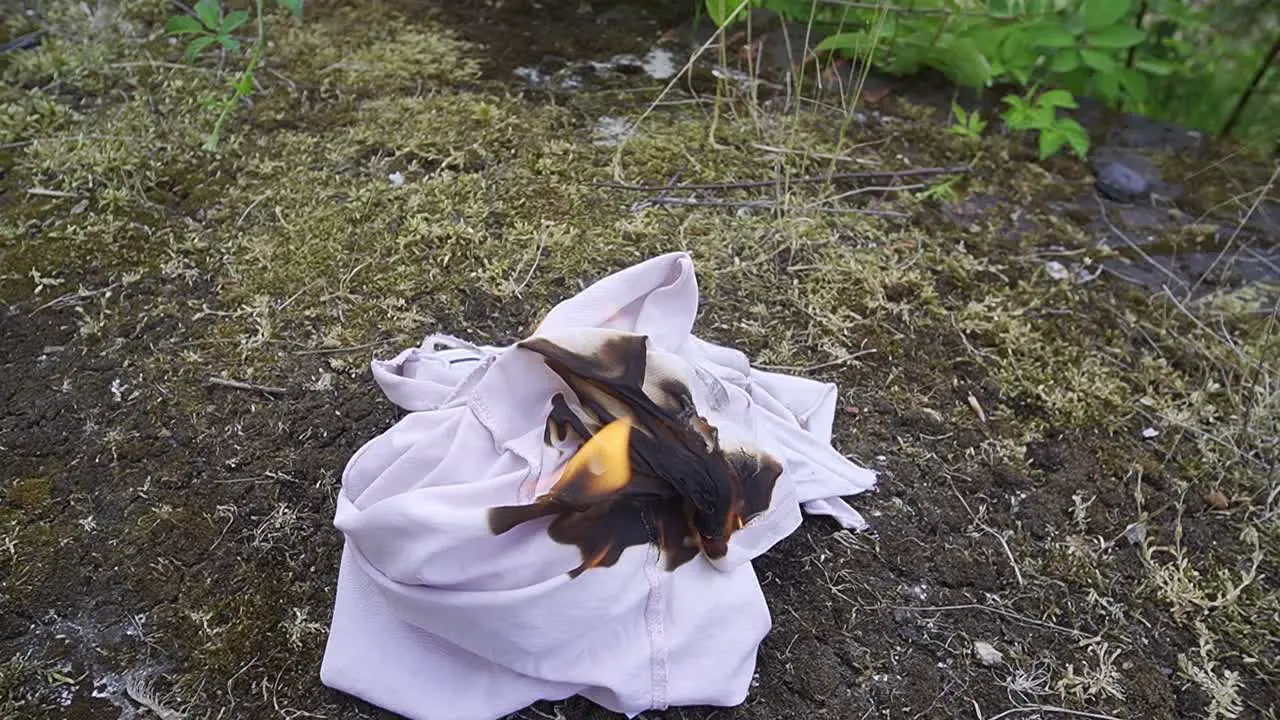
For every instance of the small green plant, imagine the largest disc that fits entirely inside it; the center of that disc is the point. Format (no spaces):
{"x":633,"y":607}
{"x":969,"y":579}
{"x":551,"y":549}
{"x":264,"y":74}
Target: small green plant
{"x":967,"y":124}
{"x":1041,"y":115}
{"x":209,"y":24}
{"x":944,"y":191}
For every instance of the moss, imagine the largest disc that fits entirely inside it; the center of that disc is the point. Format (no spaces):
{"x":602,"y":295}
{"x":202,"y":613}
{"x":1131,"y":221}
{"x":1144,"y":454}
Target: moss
{"x":30,"y":493}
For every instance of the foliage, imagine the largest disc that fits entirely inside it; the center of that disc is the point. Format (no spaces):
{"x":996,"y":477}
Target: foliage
{"x":210,"y":25}
{"x":968,"y":125}
{"x":1041,"y":115}
{"x":1155,"y":57}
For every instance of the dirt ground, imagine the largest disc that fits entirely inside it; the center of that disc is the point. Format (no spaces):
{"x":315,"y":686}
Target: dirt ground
{"x":1072,"y":403}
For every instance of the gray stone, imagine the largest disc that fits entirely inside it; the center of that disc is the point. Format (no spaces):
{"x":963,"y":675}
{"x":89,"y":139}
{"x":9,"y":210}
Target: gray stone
{"x":1121,"y":182}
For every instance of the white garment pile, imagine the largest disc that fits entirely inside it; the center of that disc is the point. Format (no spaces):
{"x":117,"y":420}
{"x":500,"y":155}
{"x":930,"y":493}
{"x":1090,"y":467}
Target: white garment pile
{"x":439,"y":616}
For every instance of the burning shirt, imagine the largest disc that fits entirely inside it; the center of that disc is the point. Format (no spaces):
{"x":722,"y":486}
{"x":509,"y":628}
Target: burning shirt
{"x":576,"y":514}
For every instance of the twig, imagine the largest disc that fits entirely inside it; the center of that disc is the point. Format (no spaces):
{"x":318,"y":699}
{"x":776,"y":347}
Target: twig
{"x":764,"y":205}
{"x":789,"y":181}
{"x":998,"y":611}
{"x":45,"y":192}
{"x":70,"y":298}
{"x":824,"y":156}
{"x":819,"y":366}
{"x":252,"y":205}
{"x":59,"y":138}
{"x":1200,"y":324}
{"x":1103,"y":210}
{"x":1016,"y":571}
{"x":295,"y":296}
{"x":1262,"y":195}
{"x":1053,"y":709}
{"x":537,"y":256}
{"x":671,"y":182}
{"x":332,"y":351}
{"x":1261,"y":72}
{"x":870,"y":189}
{"x":23,"y":42}
{"x":237,"y":385}
{"x":161,"y":64}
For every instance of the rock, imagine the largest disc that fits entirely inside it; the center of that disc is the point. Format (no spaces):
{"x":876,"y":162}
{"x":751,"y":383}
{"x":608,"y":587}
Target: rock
{"x":1056,"y":270}
{"x":1121,"y":182}
{"x":30,"y":41}
{"x":552,"y":63}
{"x":627,"y":64}
{"x":987,"y":654}
{"x":1135,"y":533}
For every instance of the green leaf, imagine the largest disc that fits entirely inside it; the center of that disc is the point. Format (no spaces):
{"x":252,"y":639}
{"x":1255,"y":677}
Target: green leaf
{"x":1135,"y":83}
{"x":1074,"y":24}
{"x":1050,"y":35}
{"x":1160,"y":68}
{"x":854,"y":41}
{"x":233,"y":21}
{"x":1108,"y":86}
{"x":183,"y":25}
{"x":1057,"y":99}
{"x":210,"y":13}
{"x":1065,"y":61}
{"x":1050,"y":142}
{"x":1043,"y":116}
{"x":295,"y":6}
{"x":199,"y":44}
{"x":229,"y":43}
{"x":1075,"y":135}
{"x":1117,"y":36}
{"x":1104,"y":13}
{"x":964,"y":63}
{"x":1098,"y":60}
{"x":1003,"y":8}
{"x":244,"y":85}
{"x":722,"y":12}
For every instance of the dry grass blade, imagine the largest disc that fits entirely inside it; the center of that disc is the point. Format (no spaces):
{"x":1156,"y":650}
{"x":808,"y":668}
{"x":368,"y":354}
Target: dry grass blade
{"x":737,"y":185}
{"x":238,"y":385}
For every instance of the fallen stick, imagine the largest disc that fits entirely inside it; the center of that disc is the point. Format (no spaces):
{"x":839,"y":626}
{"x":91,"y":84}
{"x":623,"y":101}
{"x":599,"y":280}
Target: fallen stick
{"x":916,"y":172}
{"x":661,"y":201}
{"x":45,"y":192}
{"x":237,"y":385}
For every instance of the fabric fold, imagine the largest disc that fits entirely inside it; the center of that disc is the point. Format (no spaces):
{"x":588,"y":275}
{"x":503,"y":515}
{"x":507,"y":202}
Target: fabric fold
{"x":622,"y":590}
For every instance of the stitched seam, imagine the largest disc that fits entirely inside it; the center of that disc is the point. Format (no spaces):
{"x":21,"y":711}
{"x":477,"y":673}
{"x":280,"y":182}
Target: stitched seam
{"x":654,"y":623}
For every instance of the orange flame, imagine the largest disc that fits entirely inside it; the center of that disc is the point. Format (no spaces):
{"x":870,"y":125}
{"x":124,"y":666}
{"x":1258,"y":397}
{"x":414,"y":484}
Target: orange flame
{"x":602,"y":464}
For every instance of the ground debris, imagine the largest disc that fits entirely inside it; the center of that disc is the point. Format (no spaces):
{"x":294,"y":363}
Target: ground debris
{"x":987,"y":654}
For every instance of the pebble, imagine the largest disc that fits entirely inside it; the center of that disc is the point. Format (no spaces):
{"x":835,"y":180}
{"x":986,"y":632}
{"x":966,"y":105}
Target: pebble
{"x":1121,"y":182}
{"x":987,"y":654}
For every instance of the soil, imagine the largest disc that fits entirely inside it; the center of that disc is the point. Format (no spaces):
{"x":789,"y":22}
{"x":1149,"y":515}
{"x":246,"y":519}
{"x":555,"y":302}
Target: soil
{"x":162,"y":529}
